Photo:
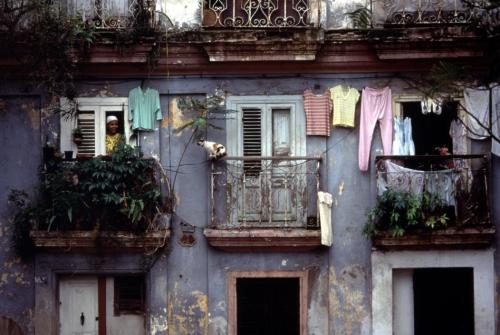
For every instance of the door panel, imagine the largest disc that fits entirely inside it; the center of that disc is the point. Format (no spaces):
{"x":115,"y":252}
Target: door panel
{"x":78,"y":306}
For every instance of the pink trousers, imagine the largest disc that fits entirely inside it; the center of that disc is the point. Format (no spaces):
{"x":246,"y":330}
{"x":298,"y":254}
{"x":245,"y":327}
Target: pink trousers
{"x":376,"y":105}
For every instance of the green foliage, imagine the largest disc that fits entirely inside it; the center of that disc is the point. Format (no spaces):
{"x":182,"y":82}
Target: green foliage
{"x":361,"y":18}
{"x":103,"y":193}
{"x":400,"y":211}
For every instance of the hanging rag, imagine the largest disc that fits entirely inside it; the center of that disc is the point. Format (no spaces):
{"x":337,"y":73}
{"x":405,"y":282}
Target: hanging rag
{"x":376,"y":106}
{"x":402,"y":140}
{"x":344,"y":99}
{"x":144,"y":108}
{"x":495,"y":127}
{"x":317,"y":108}
{"x":430,"y":105}
{"x":325,"y":201}
{"x":400,"y":178}
{"x":477,"y":103}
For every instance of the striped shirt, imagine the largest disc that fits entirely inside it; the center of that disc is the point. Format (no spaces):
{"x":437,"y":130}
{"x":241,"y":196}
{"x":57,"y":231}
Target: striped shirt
{"x":317,"y":108}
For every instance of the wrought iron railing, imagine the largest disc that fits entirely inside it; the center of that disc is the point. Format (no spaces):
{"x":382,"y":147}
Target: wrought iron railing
{"x":256,"y":13}
{"x":114,"y":14}
{"x":417,"y":12}
{"x":459,"y":181}
{"x":265,"y":192}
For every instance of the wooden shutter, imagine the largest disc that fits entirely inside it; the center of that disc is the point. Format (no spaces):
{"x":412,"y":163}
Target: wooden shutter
{"x":86,"y":122}
{"x":252,"y":138}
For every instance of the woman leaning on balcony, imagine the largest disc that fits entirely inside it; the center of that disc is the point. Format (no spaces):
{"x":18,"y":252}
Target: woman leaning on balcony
{"x":113,"y":137}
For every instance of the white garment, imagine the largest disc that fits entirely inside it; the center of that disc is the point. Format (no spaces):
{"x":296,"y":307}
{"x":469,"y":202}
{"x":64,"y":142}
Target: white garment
{"x":430,"y":105}
{"x":495,"y":145}
{"x":477,"y":103}
{"x":325,"y":201}
{"x":403,"y":141}
{"x":400,"y":178}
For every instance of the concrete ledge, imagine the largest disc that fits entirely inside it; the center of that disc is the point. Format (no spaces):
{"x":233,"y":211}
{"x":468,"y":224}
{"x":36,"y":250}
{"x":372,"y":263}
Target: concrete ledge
{"x":92,"y":240}
{"x":258,"y":240}
{"x":451,"y":238}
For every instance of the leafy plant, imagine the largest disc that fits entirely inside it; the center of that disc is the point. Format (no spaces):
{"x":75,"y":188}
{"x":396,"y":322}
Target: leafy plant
{"x":400,"y":211}
{"x":103,"y":193}
{"x":361,"y":18}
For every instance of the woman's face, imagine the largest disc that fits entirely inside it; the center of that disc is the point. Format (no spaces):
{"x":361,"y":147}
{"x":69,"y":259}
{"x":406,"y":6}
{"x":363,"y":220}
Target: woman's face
{"x":112,"y":127}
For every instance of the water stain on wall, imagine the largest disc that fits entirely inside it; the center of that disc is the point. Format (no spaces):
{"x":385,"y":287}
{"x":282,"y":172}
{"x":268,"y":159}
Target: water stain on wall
{"x":187,"y":313}
{"x":347,"y":303}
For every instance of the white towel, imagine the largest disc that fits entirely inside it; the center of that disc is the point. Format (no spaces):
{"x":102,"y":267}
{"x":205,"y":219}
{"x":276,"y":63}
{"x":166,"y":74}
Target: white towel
{"x":325,"y":201}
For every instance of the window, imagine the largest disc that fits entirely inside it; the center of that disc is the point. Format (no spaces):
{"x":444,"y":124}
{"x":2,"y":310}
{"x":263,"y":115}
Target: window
{"x":267,"y":302}
{"x":429,"y":131}
{"x":90,"y":119}
{"x":409,"y":285}
{"x":129,"y":295}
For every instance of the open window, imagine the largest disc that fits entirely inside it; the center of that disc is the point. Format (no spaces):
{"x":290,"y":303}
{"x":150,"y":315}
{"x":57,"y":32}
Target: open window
{"x":84,"y":132}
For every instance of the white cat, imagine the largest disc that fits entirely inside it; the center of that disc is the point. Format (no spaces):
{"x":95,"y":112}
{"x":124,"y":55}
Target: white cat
{"x":215,"y":150}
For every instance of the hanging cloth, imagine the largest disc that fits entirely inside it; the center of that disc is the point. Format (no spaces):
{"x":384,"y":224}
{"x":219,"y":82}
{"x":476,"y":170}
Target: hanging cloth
{"x":402,"y":143}
{"x":317,"y":108}
{"x":344,"y":99}
{"x":495,"y":127}
{"x":477,"y":103}
{"x":376,"y":106}
{"x":325,"y":201}
{"x":144,"y":108}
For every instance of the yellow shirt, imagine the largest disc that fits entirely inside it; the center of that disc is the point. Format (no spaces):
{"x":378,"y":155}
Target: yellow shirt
{"x":344,"y":100}
{"x":112,"y":141}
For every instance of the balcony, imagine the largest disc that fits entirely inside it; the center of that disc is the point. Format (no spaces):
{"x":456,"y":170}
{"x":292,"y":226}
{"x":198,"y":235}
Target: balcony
{"x":454,"y":191}
{"x":420,"y":12}
{"x":114,"y":14}
{"x":256,"y":14}
{"x":264,"y":203}
{"x":107,"y":202}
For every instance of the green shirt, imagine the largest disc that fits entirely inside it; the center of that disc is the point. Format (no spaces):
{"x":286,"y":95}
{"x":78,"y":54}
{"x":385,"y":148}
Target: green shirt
{"x":144,"y":108}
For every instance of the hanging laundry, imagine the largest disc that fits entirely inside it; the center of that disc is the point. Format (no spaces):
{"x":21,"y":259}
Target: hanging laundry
{"x":344,"y":99}
{"x":430,"y":105}
{"x":325,"y":201}
{"x":477,"y":103}
{"x":495,"y":127}
{"x":144,"y":108}
{"x":403,"y":141}
{"x":376,"y":105}
{"x":317,"y":108}
{"x":399,"y":178}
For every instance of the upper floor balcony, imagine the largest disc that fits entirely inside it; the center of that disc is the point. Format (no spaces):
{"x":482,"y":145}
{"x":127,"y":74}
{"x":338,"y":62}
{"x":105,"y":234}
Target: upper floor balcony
{"x":106,"y":201}
{"x":420,"y":12}
{"x":431,"y":201}
{"x":264,"y":202}
{"x":258,"y":13}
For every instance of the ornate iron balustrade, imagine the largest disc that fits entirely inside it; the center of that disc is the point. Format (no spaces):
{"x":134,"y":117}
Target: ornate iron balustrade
{"x":264,"y":192}
{"x":460,"y":181}
{"x":256,"y":13}
{"x":416,"y":12}
{"x":114,"y":14}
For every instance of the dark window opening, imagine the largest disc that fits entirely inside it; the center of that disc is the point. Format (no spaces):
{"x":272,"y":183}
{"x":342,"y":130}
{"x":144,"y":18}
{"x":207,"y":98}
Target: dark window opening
{"x":268,"y":306}
{"x":443,"y":301}
{"x":430,"y":131}
{"x":129,"y":295}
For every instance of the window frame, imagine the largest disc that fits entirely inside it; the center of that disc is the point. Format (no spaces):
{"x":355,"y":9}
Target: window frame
{"x":100,"y":106}
{"x":232,"y":298}
{"x":234,"y":123}
{"x":399,"y":99}
{"x":383,"y":264}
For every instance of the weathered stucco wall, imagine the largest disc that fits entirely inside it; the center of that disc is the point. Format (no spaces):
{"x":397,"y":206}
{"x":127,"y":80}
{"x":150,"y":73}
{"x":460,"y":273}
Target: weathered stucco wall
{"x":191,"y":297}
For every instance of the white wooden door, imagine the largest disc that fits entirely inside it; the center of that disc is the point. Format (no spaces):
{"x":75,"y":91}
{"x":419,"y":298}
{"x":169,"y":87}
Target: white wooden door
{"x":78,"y":306}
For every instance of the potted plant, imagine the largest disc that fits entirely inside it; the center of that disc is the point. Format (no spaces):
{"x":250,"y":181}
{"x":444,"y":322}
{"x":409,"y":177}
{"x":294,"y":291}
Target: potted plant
{"x":398,"y":212}
{"x":77,"y":135}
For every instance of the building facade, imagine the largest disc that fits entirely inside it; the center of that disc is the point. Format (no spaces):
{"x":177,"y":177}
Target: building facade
{"x":272,"y":237}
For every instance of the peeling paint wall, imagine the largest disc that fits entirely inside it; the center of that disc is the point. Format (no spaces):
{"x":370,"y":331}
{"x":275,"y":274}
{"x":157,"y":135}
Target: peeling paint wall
{"x":187,"y":286}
